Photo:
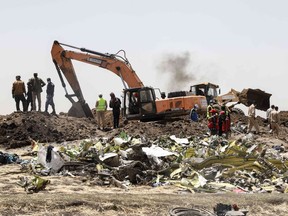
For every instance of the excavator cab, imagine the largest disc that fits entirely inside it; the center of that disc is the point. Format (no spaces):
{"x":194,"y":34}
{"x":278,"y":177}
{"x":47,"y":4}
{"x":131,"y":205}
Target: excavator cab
{"x":209,"y":90}
{"x":139,"y":103}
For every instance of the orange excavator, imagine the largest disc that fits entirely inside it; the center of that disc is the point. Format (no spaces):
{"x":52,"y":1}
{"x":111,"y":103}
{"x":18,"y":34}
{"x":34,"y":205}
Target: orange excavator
{"x":139,"y":102}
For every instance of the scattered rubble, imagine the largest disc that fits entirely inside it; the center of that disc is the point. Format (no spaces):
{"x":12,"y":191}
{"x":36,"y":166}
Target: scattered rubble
{"x":154,"y":154}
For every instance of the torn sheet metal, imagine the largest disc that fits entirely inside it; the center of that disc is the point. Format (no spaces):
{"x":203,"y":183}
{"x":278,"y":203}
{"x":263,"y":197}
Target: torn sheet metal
{"x":50,"y":159}
{"x":157,"y":151}
{"x":184,"y":141}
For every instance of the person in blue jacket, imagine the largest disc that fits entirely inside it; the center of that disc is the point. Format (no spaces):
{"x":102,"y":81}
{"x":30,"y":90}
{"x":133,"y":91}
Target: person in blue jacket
{"x":194,"y":114}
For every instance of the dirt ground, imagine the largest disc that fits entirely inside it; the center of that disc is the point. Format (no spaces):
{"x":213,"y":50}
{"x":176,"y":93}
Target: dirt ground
{"x":77,"y":195}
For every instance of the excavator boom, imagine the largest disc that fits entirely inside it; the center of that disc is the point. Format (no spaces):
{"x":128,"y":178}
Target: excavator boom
{"x":63,"y":63}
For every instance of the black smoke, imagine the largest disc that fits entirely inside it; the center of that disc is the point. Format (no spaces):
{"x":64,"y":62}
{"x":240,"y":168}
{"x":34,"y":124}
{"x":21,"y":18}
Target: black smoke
{"x":178,"y":69}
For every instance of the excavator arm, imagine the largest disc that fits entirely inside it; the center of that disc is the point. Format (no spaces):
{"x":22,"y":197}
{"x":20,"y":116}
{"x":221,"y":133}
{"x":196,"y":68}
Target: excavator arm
{"x":113,"y":62}
{"x":140,"y":102}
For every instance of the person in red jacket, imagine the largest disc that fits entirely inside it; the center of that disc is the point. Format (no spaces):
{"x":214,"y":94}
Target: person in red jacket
{"x":224,"y":121}
{"x":213,"y":121}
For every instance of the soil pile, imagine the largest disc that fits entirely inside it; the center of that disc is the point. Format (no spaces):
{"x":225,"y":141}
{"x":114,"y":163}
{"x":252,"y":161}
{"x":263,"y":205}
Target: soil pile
{"x":18,"y":129}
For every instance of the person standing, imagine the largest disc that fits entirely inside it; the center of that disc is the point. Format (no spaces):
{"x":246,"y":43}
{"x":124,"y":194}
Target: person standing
{"x":193,"y":113}
{"x":213,"y":121}
{"x":18,"y":92}
{"x":275,"y":120}
{"x":101,"y":107}
{"x":224,"y":121}
{"x":115,"y":104}
{"x":268,"y":115}
{"x":49,"y":96}
{"x":252,"y":122}
{"x":29,"y":100}
{"x":37,"y":84}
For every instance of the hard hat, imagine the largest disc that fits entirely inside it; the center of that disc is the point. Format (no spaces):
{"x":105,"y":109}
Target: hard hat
{"x":212,"y":101}
{"x":196,"y":106}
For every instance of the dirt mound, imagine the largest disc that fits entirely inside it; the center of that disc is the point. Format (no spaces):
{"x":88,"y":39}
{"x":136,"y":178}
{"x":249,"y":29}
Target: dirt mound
{"x":18,"y":129}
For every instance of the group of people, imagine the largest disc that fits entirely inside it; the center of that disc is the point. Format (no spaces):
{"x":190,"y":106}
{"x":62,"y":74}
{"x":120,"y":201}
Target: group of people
{"x":273,"y":119}
{"x":33,"y":93}
{"x":218,"y":121}
{"x":101,"y":107}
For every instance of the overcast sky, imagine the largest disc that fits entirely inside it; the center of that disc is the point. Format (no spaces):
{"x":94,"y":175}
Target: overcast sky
{"x":236,"y":44}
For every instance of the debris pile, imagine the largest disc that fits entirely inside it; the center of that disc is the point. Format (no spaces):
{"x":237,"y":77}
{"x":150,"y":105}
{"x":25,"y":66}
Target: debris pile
{"x":196,"y":163}
{"x":160,"y":153}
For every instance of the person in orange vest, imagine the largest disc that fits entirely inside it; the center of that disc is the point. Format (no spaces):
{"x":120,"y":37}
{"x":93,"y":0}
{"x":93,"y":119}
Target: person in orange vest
{"x":18,"y":92}
{"x":101,"y":107}
{"x":213,"y":121}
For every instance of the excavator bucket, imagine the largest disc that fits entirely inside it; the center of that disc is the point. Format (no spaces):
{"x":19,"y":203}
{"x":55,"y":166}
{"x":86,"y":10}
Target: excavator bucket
{"x":80,"y":110}
{"x":260,"y":98}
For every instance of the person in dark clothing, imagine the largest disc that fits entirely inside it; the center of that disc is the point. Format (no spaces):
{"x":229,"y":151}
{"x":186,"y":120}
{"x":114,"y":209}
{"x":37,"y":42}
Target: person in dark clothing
{"x":115,"y":104}
{"x":29,"y":98}
{"x":49,"y":96}
{"x":37,"y":84}
{"x":18,"y":92}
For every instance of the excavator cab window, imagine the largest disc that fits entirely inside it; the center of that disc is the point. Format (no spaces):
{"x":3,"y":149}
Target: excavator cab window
{"x":132,"y":102}
{"x":139,"y":102}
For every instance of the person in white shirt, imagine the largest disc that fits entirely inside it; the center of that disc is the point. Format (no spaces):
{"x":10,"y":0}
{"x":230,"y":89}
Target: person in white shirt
{"x":268,"y":115}
{"x":275,"y":120}
{"x":252,"y":122}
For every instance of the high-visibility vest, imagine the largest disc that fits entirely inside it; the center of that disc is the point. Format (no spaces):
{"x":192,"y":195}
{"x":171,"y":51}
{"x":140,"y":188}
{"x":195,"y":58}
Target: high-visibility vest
{"x":208,"y":113}
{"x":101,"y":105}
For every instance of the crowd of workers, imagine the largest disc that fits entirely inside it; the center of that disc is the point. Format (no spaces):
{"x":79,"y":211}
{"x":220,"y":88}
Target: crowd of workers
{"x":219,"y":121}
{"x":33,"y":93}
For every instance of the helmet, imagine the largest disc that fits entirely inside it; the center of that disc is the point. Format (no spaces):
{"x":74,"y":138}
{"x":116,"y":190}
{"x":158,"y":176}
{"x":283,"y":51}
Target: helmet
{"x":212,"y":101}
{"x":196,"y":106}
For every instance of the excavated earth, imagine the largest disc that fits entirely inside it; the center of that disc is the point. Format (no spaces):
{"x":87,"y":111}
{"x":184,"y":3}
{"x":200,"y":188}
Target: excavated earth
{"x":72,"y":195}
